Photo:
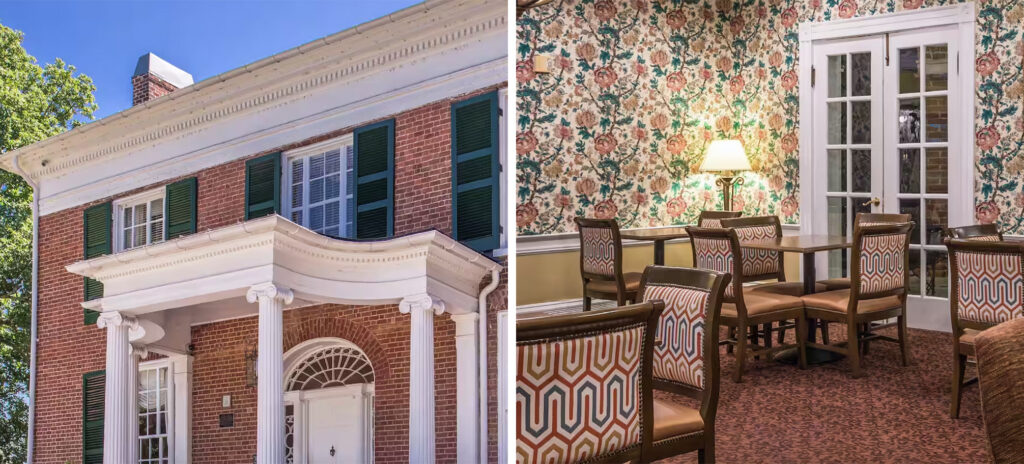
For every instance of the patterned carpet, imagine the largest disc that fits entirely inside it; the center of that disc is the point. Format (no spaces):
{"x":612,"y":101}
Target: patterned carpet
{"x":780,"y":414}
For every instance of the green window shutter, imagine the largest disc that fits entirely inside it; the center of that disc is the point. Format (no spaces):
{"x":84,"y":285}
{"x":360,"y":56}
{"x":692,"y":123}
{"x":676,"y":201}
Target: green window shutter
{"x":374,"y":149}
{"x":263,"y":186}
{"x":98,"y":241}
{"x":93,"y":391}
{"x":180,"y":208}
{"x":475,"y":172}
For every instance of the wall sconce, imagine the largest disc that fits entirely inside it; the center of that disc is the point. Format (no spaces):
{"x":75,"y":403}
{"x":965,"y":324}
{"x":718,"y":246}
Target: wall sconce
{"x":251,"y":355}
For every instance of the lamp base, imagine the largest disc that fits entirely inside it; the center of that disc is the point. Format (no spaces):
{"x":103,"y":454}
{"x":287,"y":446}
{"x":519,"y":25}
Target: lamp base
{"x":728,"y":183}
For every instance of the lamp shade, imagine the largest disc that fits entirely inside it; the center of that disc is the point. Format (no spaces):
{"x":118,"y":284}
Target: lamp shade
{"x":725,"y":155}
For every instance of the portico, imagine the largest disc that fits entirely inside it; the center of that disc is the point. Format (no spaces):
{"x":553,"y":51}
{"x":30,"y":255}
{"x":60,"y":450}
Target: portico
{"x":269,"y":265}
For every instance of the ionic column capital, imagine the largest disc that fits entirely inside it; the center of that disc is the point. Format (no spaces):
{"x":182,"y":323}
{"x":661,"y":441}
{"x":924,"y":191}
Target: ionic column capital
{"x":269,"y":290}
{"x":115,"y":319}
{"x":421,"y":302}
{"x":140,"y":351}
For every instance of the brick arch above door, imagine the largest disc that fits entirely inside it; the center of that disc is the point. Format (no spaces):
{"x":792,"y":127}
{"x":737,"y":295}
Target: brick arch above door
{"x":333,"y":326}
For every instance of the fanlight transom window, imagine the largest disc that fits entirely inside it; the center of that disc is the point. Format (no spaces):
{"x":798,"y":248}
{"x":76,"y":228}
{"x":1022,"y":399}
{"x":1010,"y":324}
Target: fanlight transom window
{"x":333,"y":366}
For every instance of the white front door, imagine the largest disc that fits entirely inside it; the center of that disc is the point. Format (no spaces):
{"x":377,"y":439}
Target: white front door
{"x":331,"y":425}
{"x":884,"y":142}
{"x":335,"y":429}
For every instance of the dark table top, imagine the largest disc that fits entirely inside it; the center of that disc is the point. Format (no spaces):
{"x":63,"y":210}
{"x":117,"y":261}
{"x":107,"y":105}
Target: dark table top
{"x":800,"y":243}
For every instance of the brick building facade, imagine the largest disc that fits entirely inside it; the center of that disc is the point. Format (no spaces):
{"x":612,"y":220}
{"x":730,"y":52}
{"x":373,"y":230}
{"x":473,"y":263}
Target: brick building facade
{"x":209,"y":338}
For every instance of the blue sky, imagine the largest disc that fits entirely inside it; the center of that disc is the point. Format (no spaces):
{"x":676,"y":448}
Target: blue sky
{"x":105,"y":38}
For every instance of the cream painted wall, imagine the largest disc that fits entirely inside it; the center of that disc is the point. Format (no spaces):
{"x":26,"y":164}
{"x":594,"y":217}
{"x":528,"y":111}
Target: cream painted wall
{"x":550,"y":277}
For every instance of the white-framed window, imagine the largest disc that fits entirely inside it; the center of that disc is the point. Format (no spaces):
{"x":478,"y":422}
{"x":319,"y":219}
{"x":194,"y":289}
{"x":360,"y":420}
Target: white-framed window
{"x":155,"y":422}
{"x":139,"y":220}
{"x":318,"y":187}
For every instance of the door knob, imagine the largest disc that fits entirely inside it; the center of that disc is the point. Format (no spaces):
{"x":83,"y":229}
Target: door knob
{"x":332,"y":451}
{"x":874,"y":202}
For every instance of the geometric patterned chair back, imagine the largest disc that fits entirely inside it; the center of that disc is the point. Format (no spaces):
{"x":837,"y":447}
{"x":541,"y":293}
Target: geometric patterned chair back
{"x":988,"y":280}
{"x":882,"y":257}
{"x":581,"y":384}
{"x":713,"y":219}
{"x":713,"y":250}
{"x":600,"y":246}
{"x":978,"y":232}
{"x":758,"y":264}
{"x":692,"y":304}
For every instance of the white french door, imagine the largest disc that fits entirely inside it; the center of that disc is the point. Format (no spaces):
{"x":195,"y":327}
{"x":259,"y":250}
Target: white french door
{"x":884,"y":138}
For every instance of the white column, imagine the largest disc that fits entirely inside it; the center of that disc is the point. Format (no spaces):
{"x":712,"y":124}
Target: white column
{"x":116,"y":430}
{"x":137,"y":352}
{"x":467,"y":362}
{"x":269,"y":371}
{"x":422,"y":309}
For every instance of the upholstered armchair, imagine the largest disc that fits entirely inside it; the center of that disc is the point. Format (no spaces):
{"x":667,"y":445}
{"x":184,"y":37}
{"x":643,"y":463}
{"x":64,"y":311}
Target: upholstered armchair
{"x":604,"y":356}
{"x":601,"y":263}
{"x":1001,"y":370}
{"x":713,"y":219}
{"x":987,"y":289}
{"x":719,"y":250}
{"x":685,"y":357}
{"x":878,"y":269}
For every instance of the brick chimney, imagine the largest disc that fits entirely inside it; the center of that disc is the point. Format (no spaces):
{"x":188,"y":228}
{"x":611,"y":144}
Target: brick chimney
{"x":155,"y":78}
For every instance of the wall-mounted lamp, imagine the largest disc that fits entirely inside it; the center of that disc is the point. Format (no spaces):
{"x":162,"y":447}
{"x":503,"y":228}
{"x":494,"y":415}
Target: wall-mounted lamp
{"x":727,"y":157}
{"x":251,"y":356}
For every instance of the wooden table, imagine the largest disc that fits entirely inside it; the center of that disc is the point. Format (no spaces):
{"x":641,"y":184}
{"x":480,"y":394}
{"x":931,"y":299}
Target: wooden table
{"x":806,"y":245}
{"x":658,"y":235}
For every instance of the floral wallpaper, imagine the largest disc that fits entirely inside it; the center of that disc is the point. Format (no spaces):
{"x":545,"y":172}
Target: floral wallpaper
{"x":637,"y":89}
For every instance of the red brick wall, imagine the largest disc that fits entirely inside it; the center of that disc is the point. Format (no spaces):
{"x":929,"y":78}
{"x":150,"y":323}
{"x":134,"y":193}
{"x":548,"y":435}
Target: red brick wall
{"x":67,"y":349}
{"x":147,"y":87}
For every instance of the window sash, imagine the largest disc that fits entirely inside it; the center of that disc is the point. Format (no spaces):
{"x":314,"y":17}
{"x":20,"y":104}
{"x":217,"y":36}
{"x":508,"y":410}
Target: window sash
{"x":298,"y":203}
{"x":153,"y":402}
{"x":144,"y":223}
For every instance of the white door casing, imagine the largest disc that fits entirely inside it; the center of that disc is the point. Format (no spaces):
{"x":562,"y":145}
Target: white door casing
{"x":331,"y":417}
{"x":942,"y":26}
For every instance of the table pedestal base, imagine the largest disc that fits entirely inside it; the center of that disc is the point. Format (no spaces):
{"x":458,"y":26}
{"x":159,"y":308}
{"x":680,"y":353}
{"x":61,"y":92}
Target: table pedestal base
{"x":815,"y":356}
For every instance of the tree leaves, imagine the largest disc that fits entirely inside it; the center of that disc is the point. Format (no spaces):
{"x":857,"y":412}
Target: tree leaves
{"x":36,"y":102}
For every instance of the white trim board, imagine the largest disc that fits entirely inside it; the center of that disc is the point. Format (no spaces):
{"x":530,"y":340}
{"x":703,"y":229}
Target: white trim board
{"x":569,"y":241}
{"x":964,"y":17}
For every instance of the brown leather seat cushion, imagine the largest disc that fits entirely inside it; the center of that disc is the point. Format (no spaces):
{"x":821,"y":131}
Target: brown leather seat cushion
{"x":673,"y":419}
{"x":838,"y":301}
{"x":835,"y":284}
{"x":967,"y":341}
{"x":786,"y":288}
{"x":608,"y":286}
{"x":762,"y":303}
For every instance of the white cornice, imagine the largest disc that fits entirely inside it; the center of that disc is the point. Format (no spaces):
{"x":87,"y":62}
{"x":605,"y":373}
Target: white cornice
{"x":224,"y":263}
{"x":352,"y":69}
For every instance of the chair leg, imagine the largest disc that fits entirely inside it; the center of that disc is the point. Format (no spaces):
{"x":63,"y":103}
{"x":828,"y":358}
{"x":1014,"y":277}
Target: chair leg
{"x":586,"y":303}
{"x":801,"y":342}
{"x":768,"y":340}
{"x":901,"y":322}
{"x":824,"y":331}
{"x":741,"y":354}
{"x":706,"y":455}
{"x":866,"y":330}
{"x":732,"y":335}
{"x":853,"y":348}
{"x":959,"y":364}
{"x":782,"y":335}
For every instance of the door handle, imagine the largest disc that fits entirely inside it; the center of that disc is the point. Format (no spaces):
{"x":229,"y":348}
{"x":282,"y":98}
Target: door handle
{"x":332,"y":451}
{"x":874,"y":202}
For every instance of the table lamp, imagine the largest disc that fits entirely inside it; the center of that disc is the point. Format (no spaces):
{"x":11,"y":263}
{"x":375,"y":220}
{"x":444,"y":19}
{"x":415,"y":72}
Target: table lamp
{"x":727,"y":157}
